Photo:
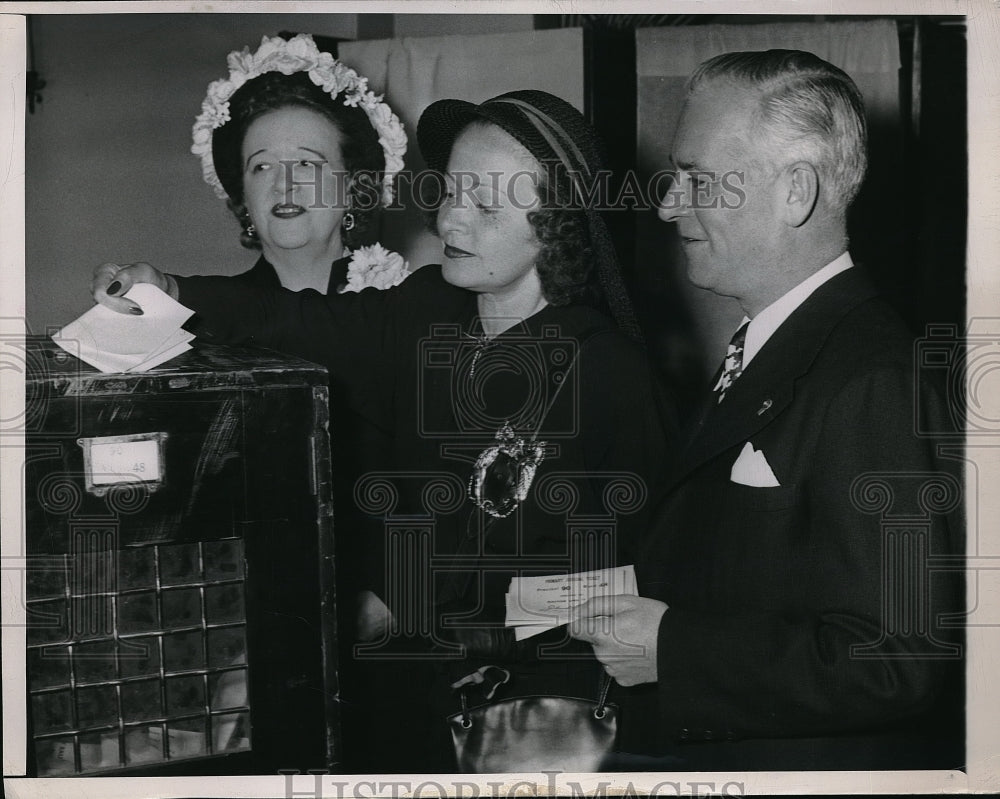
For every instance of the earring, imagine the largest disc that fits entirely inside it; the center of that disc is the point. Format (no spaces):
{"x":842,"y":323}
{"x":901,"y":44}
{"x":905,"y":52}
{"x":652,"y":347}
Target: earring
{"x":250,"y":230}
{"x":348,"y":223}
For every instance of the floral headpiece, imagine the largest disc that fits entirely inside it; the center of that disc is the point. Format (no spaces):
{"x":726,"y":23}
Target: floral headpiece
{"x":298,"y":54}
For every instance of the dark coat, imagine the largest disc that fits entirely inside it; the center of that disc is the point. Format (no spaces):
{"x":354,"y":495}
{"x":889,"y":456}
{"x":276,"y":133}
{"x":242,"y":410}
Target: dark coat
{"x":788,"y":643}
{"x":411,"y":361}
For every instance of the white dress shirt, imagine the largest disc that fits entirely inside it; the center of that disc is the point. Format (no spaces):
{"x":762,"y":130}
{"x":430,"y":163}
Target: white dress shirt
{"x":763,"y":325}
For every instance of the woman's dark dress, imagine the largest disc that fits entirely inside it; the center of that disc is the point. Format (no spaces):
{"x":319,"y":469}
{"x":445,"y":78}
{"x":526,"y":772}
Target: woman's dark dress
{"x":413,"y":363}
{"x":263,"y":275}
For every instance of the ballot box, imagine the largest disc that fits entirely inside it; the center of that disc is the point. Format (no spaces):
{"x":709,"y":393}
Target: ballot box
{"x":179,"y":550}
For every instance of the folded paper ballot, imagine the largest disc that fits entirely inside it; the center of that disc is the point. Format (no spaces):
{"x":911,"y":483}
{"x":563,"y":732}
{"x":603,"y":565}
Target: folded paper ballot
{"x":537,"y":604}
{"x":117,"y":342}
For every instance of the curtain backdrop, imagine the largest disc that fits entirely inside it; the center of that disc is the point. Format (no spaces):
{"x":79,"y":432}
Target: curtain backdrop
{"x":414,"y":72}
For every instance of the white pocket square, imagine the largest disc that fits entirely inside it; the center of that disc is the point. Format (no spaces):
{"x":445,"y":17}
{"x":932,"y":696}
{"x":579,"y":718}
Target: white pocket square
{"x":752,"y":469}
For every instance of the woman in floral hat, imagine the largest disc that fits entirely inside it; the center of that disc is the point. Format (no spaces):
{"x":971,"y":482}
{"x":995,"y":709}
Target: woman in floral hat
{"x":526,"y":438}
{"x":305,"y":155}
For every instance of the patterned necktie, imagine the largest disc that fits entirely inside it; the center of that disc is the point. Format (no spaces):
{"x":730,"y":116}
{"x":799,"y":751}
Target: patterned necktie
{"x":733,"y":366}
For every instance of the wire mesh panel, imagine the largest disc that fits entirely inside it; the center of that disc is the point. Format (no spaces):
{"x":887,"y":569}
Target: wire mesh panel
{"x":167,"y":679}
{"x":181,"y":614}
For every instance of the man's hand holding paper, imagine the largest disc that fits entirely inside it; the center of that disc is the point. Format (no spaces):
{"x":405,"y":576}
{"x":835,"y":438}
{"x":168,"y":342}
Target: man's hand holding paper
{"x":623,"y":631}
{"x":537,"y":604}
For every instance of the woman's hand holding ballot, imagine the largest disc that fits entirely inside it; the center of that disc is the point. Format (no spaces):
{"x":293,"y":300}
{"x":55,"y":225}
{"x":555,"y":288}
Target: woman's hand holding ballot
{"x":111,"y":281}
{"x":623,"y":631}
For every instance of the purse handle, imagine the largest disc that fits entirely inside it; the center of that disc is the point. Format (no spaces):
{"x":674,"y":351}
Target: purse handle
{"x":599,"y":712}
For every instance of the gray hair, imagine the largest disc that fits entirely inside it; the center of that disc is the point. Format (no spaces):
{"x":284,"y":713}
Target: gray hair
{"x":809,"y":110}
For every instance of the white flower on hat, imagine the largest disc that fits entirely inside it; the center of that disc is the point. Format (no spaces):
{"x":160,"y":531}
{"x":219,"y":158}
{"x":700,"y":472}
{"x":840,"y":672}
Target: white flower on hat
{"x":299,"y":54}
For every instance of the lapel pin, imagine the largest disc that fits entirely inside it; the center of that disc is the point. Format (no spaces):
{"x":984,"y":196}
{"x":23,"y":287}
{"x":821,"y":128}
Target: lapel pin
{"x":767,"y":404}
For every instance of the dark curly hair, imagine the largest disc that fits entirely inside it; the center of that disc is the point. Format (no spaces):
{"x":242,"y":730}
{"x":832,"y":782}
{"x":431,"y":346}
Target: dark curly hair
{"x":566,"y":262}
{"x":360,"y":149}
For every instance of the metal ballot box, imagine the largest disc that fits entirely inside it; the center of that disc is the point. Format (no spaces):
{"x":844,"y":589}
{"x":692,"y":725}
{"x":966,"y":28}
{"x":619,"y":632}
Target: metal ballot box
{"x":180,"y":590}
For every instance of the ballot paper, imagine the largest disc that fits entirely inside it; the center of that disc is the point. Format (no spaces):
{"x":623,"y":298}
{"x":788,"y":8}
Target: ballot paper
{"x":537,"y":604}
{"x":118,"y":342}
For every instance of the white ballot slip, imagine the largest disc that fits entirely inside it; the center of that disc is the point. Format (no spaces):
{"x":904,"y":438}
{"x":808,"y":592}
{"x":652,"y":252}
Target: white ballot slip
{"x":116,"y":342}
{"x":537,"y":604}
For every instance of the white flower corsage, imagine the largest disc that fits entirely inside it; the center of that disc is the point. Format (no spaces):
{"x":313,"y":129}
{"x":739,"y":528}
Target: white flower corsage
{"x":375,"y":266}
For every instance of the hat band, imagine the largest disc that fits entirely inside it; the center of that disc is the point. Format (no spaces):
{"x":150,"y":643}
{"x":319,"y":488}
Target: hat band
{"x":550,"y":129}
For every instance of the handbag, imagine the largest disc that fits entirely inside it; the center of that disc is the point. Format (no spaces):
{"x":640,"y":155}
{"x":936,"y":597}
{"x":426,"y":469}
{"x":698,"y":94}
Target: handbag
{"x":535,"y":733}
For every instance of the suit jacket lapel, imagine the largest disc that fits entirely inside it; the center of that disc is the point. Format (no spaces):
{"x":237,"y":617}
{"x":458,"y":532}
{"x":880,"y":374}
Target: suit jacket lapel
{"x":767,"y":385}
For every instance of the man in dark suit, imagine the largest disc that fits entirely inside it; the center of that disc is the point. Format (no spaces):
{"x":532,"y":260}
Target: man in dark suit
{"x":789,"y":615}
